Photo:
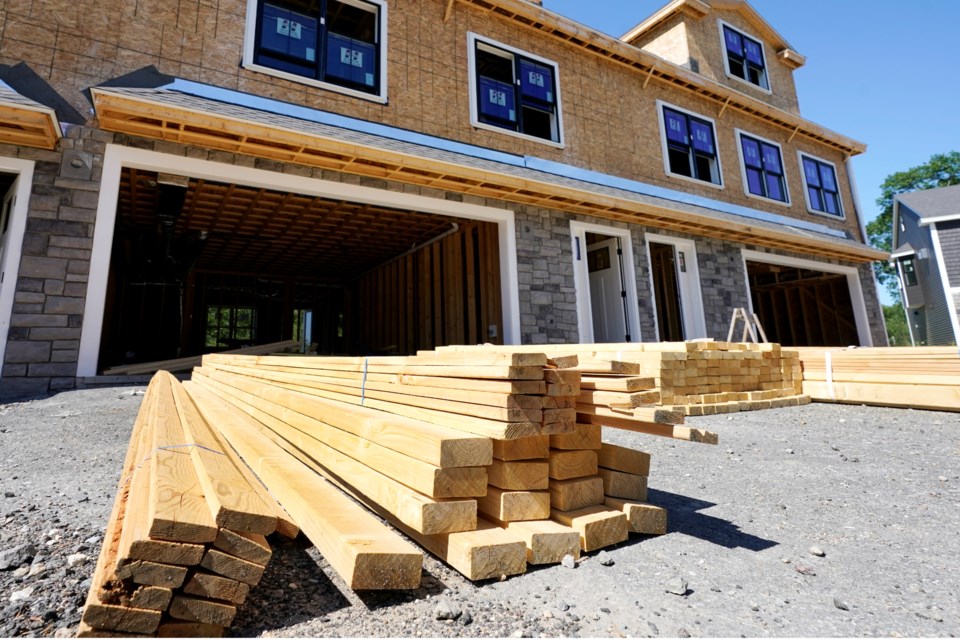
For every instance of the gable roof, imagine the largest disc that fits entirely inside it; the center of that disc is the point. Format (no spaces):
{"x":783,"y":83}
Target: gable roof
{"x":933,"y":203}
{"x":700,"y":8}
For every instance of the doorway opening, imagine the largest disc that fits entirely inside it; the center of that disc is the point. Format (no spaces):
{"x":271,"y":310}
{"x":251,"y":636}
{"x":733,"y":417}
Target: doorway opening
{"x":675,"y":282}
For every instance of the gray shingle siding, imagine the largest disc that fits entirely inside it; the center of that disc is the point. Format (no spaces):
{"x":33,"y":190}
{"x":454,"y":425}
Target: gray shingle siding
{"x":949,"y":233}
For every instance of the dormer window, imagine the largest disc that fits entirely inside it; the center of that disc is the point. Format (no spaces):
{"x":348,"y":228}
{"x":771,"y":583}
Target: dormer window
{"x":744,"y":57}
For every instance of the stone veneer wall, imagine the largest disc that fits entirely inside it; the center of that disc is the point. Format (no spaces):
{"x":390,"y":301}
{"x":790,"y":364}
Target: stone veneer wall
{"x":43,"y":343}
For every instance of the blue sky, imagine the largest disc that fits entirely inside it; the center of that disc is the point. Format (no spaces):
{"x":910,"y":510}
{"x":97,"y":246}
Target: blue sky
{"x":885,"y":72}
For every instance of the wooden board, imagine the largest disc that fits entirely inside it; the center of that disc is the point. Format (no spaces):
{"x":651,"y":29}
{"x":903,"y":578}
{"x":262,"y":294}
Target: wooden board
{"x":152,"y":573}
{"x":487,"y":553}
{"x":512,"y":506}
{"x":643,"y":518}
{"x":185,"y":364}
{"x":618,"y":458}
{"x":200,"y":610}
{"x":620,"y":399}
{"x":568,"y":495}
{"x":519,"y":475}
{"x":572,"y":464}
{"x":599,"y":526}
{"x":583,"y":436}
{"x":618,"y":384}
{"x":930,"y":397}
{"x":677,"y":432}
{"x":531,"y":448}
{"x":231,"y":567}
{"x":618,"y":484}
{"x":547,"y":541}
{"x":214,"y":587}
{"x":247,"y":546}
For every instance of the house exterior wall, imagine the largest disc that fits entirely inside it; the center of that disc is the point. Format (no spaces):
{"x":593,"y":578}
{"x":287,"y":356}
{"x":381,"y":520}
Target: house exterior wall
{"x":949,"y":233}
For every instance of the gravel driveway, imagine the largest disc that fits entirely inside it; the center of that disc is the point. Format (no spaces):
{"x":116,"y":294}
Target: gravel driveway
{"x":822,"y":520}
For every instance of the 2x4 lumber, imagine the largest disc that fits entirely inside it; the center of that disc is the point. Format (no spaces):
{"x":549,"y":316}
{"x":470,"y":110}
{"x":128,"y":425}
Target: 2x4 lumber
{"x":597,"y":365}
{"x":569,"y":495}
{"x":618,"y":398}
{"x":547,"y":541}
{"x":583,"y":436}
{"x":677,"y":432}
{"x":315,"y":437}
{"x":231,"y":567}
{"x":177,"y":508}
{"x":178,"y":553}
{"x":150,"y":597}
{"x":576,"y":463}
{"x":646,"y":519}
{"x":214,"y":587}
{"x":247,"y":546}
{"x":152,"y":573}
{"x":625,"y":459}
{"x":234,"y":504}
{"x":184,"y":364}
{"x":200,"y":610}
{"x":435,"y":445}
{"x":484,"y":427}
{"x":617,"y":384}
{"x":935,"y":398}
{"x":529,"y":448}
{"x":365,"y":395}
{"x":466,"y":370}
{"x":519,"y":475}
{"x":628,"y":486}
{"x":518,"y":387}
{"x":447,"y":358}
{"x":599,"y":526}
{"x":512,"y":506}
{"x":658,"y":415}
{"x":239,"y":422}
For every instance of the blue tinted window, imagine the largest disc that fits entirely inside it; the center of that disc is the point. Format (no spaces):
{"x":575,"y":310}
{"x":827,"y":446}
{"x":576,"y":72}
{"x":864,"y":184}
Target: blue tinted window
{"x":763,"y":167}
{"x":536,"y":81}
{"x":745,"y":58}
{"x":823,"y":194}
{"x":497,"y":100}
{"x":676,"y":126}
{"x":691,"y":146}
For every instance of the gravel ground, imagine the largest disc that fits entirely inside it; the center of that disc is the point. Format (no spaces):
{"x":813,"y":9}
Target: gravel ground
{"x":822,"y":520}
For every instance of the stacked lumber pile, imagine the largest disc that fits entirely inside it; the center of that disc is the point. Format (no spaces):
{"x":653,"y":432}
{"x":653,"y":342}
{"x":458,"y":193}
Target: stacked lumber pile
{"x":694,"y":378}
{"x":185,"y":540}
{"x":189,"y":362}
{"x":916,"y":377}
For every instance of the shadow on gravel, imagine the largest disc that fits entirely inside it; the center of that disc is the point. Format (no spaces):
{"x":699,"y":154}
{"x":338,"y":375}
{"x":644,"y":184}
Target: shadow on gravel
{"x":683,"y":517}
{"x":430,"y":585}
{"x":276,"y":603}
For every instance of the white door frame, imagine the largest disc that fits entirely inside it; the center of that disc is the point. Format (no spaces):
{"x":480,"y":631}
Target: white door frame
{"x":581,"y":279}
{"x":691,"y":298}
{"x":853,"y":281}
{"x":117,"y":157}
{"x":10,"y":269}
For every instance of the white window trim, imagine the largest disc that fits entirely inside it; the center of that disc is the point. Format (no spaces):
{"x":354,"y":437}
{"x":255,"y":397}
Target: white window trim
{"x":581,"y":279}
{"x":664,"y":150}
{"x":249,"y":45}
{"x":726,"y":60}
{"x":691,"y":296}
{"x":16,"y":226}
{"x":806,"y":194}
{"x":472,"y":40}
{"x":853,"y":282}
{"x":743,"y":168}
{"x":116,"y":157}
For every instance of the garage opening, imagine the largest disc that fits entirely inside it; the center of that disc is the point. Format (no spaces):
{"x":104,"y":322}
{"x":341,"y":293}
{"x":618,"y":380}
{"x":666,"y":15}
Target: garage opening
{"x":802,"y":307}
{"x":199,"y":266}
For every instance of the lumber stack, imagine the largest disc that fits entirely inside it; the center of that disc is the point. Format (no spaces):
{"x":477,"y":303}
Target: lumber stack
{"x":914,"y":377}
{"x":694,"y":378}
{"x":189,"y":362}
{"x":185,"y":540}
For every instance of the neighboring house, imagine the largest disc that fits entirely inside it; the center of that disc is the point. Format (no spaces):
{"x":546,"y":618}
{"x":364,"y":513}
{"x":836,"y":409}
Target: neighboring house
{"x":926,"y":232}
{"x":383,"y":176}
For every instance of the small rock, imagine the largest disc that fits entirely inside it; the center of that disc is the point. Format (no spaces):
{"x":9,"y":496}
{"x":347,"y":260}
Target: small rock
{"x":569,"y":562}
{"x":22,"y":594}
{"x":22,"y":572}
{"x":517,"y":634}
{"x":293,"y":585}
{"x":653,"y":629}
{"x":36,"y":569}
{"x":77,"y":559}
{"x":790,"y":451}
{"x":563,"y":606}
{"x":677,"y":586}
{"x":92,"y":541}
{"x":466,"y":618}
{"x":64,"y":632}
{"x":605,"y":609}
{"x":817,"y":551}
{"x":804,"y":569}
{"x":786,"y":559}
{"x":548,"y":615}
{"x":16,"y":556}
{"x":840,"y":604}
{"x":446,"y":610}
{"x":605,"y":559}
{"x":9,"y":494}
{"x":683,"y":633}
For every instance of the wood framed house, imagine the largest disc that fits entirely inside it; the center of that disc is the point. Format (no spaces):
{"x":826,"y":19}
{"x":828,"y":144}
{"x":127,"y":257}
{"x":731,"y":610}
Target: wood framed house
{"x":383,"y":176}
{"x":926,"y":234}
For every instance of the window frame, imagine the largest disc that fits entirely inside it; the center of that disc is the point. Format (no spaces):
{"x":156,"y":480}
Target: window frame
{"x":250,"y":46}
{"x":726,"y":57}
{"x":912,"y":261}
{"x":665,"y":147}
{"x":806,"y":188}
{"x":231,"y":326}
{"x":740,"y":134}
{"x":473,"y":78}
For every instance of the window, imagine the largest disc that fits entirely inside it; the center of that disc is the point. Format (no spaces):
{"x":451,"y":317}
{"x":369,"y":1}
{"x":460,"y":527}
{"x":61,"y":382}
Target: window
{"x":909,"y":272}
{"x":514,"y":91}
{"x":230,"y":326}
{"x":763,"y":168}
{"x":690,"y":146}
{"x":823,"y":195}
{"x":332,"y":42}
{"x":744,"y":58}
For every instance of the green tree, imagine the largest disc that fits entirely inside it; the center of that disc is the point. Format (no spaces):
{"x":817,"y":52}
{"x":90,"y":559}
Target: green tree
{"x":897,"y":331}
{"x":942,"y":170}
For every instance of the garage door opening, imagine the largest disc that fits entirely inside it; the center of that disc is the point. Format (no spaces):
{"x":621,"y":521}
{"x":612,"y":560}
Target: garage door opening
{"x":199,"y":266}
{"x":802,"y":307}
